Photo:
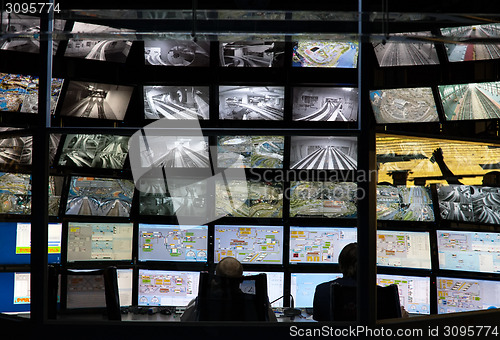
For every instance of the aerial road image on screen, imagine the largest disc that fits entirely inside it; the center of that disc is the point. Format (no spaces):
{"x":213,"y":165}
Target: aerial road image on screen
{"x":471,"y":101}
{"x":250,"y":151}
{"x":328,"y":153}
{"x":406,"y":53}
{"x":325,"y":104}
{"x":410,"y":105}
{"x":311,"y":53}
{"x":472,"y":51}
{"x":404,"y":203}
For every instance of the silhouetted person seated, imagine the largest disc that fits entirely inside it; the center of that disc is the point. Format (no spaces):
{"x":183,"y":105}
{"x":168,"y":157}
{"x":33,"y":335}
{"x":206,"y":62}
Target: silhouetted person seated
{"x":228,"y":267}
{"x":348,"y":264}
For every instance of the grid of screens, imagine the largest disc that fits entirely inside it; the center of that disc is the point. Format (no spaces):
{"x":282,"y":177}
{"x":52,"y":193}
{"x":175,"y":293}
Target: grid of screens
{"x":409,"y":105}
{"x":319,"y":244}
{"x":406,"y":249}
{"x":100,"y":196}
{"x":173,"y":243}
{"x":15,"y":243}
{"x":465,"y":295}
{"x":404,"y":203}
{"x":466,"y":203}
{"x":167,"y":288}
{"x":473,"y":101}
{"x":249,"y":244}
{"x":303,"y":286}
{"x":414,"y":291}
{"x":469,"y":251}
{"x":99,"y":241}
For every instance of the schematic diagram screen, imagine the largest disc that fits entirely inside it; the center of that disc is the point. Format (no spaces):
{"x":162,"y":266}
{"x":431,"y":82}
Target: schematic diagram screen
{"x":172,"y":243}
{"x":414,"y":291}
{"x":99,"y":241}
{"x":275,"y":285}
{"x":469,"y":251}
{"x":249,"y":244}
{"x":167,"y":288}
{"x":303,"y":286}
{"x":319,"y":244}
{"x":464,"y":295}
{"x":403,"y":249}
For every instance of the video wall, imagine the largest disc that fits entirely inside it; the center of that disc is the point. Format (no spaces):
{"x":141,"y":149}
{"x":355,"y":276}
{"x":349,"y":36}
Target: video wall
{"x":295,"y":139}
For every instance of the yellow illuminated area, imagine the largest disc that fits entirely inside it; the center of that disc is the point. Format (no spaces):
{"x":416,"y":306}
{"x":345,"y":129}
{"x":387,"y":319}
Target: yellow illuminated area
{"x":415,"y":154}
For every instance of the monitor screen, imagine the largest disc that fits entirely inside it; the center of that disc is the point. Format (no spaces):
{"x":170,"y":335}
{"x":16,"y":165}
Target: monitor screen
{"x":469,"y":251}
{"x":181,"y":197}
{"x":114,"y":50}
{"x":406,"y":53}
{"x":325,"y":53}
{"x":94,"y":151}
{"x":249,"y":244}
{"x":402,"y":203}
{"x":409,"y":105}
{"x":250,"y":151}
{"x":472,"y":51}
{"x":18,"y":150}
{"x":181,"y":243}
{"x":414,"y":291}
{"x":95,"y":196}
{"x":275,"y":285}
{"x":175,"y":152}
{"x":99,"y":241}
{"x":125,"y":284}
{"x":15,"y":193}
{"x":176,"y":102}
{"x":473,"y":101}
{"x":19,"y":93}
{"x":85,"y":291}
{"x":167,"y":288}
{"x":331,"y":104}
{"x":471,"y":203}
{"x":303,"y":286}
{"x":325,"y":153}
{"x":15,"y":243}
{"x":319,"y":244}
{"x":407,"y":249}
{"x":251,"y":102}
{"x":96,"y":100}
{"x":465,"y":295}
{"x":15,"y":295}
{"x":240,"y":198}
{"x":172,"y":52}
{"x":323,"y":199}
{"x":252,"y":54}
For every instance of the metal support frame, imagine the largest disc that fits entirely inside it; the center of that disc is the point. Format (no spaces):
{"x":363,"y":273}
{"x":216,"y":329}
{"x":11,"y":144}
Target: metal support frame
{"x":40,"y":176}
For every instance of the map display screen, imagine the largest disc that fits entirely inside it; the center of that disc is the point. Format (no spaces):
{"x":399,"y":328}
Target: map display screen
{"x":403,"y":249}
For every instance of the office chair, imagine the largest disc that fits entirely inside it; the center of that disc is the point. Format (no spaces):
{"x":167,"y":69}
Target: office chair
{"x":232,"y":299}
{"x":343,"y":303}
{"x":84,"y":292}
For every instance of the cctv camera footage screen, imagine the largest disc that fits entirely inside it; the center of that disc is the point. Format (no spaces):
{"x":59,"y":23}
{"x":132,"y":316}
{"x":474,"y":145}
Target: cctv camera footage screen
{"x":99,"y":196}
{"x":411,"y":105}
{"x":472,"y":51}
{"x":15,"y":193}
{"x":252,"y":54}
{"x":327,"y":153}
{"x":114,"y":50}
{"x":176,"y":102}
{"x":474,"y":101}
{"x":19,"y":93}
{"x":250,"y":151}
{"x":94,"y":151}
{"x":95,"y":100}
{"x":406,"y":52}
{"x":172,"y":52}
{"x":325,"y":53}
{"x":325,"y":104}
{"x":251,"y":102}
